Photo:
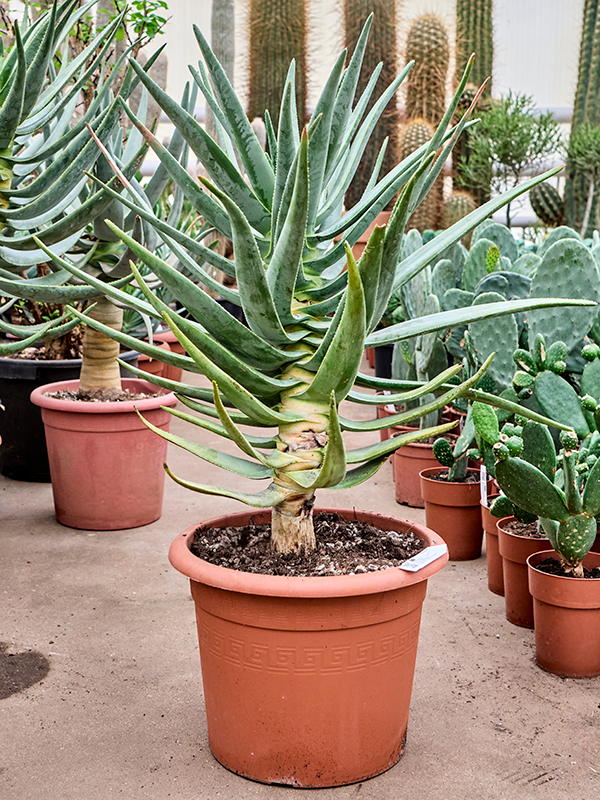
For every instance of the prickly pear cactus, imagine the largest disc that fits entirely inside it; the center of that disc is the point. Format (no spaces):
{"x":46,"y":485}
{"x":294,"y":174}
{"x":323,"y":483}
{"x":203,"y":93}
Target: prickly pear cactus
{"x":499,"y":235}
{"x":556,"y":235}
{"x":474,"y":268}
{"x":568,"y":269}
{"x":527,"y":475}
{"x":547,"y":204}
{"x":501,"y":338}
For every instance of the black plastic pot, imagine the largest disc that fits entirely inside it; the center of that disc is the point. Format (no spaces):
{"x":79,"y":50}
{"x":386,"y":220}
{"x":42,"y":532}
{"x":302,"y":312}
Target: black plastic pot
{"x":383,"y":360}
{"x":23,"y":454}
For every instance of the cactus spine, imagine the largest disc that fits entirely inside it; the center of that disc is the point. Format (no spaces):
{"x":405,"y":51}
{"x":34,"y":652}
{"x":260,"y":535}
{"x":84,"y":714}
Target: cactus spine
{"x":381,"y":47}
{"x":277,"y":35}
{"x":586,"y":109}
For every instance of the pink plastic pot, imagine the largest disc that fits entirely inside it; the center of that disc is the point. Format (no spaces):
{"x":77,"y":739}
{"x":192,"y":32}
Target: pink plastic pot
{"x":106,"y":466}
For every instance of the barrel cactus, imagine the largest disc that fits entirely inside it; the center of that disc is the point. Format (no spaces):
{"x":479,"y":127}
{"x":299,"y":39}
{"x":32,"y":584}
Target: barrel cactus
{"x":547,"y":204}
{"x":457,"y":206}
{"x":414,"y":135}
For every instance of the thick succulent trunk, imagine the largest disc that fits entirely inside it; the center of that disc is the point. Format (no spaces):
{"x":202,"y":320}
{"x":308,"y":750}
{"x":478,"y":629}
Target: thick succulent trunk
{"x":291,"y":520}
{"x":99,"y":369}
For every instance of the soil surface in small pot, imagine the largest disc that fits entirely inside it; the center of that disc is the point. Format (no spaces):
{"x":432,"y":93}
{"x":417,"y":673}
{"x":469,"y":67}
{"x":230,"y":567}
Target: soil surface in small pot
{"x":344,"y":547}
{"x":528,"y":529}
{"x":553,"y":567}
{"x":102,"y":396}
{"x":470,"y":477}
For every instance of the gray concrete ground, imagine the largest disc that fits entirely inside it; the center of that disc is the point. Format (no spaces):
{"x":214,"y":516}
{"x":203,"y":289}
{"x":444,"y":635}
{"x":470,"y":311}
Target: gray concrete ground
{"x":120,"y":712}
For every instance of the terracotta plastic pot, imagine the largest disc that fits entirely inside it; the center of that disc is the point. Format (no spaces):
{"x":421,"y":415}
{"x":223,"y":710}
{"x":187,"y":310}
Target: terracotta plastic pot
{"x":408,"y":462}
{"x":492,"y":554}
{"x":172,"y":373}
{"x":106,"y":465}
{"x":24,"y":455}
{"x":381,"y":219}
{"x":307,"y":681}
{"x":152,"y":365}
{"x":453,"y":510}
{"x":370,"y":354}
{"x":515,"y":550}
{"x":567,"y":619}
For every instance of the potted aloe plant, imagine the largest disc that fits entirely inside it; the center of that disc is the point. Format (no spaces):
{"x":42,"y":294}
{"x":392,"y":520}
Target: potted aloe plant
{"x":45,"y":147}
{"x":51,"y":209}
{"x":307,"y":672}
{"x":564,"y":582}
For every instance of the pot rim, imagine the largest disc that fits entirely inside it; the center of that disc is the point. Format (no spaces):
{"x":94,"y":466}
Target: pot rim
{"x":542,"y":555}
{"x":39,"y":398}
{"x":201,"y":571}
{"x":512,"y":518}
{"x":426,"y":473}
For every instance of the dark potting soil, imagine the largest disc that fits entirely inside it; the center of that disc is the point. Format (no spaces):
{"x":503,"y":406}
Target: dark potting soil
{"x":553,"y":567}
{"x":529,"y":529}
{"x":344,"y":547}
{"x":102,"y":396}
{"x":470,"y":477}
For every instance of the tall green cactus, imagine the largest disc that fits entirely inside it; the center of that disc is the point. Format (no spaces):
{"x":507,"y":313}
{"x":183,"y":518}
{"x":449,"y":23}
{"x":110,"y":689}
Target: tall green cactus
{"x":586,"y":109}
{"x":222,"y":30}
{"x":380,"y":53}
{"x":427,"y":45}
{"x":474,"y":34}
{"x":277,"y":35}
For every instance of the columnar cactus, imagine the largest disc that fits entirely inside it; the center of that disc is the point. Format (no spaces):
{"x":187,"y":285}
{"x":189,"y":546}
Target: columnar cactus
{"x":474,"y":34}
{"x":277,"y":35}
{"x":567,"y":502}
{"x":380,"y":56}
{"x":585,"y":109}
{"x":427,"y":45}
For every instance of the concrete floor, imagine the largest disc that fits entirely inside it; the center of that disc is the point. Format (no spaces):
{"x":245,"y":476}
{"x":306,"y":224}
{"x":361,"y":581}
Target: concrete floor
{"x":120,"y":712}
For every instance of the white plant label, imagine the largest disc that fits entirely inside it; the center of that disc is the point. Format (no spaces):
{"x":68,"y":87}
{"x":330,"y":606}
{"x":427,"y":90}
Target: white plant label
{"x":424,"y":558}
{"x":483,"y":479}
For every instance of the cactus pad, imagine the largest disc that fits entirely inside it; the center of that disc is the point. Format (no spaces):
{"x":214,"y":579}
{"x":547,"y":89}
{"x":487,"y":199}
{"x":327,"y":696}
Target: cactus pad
{"x":500,"y":337}
{"x":568,"y":269}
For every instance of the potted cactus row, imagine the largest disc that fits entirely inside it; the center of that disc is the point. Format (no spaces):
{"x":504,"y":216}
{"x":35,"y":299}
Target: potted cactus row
{"x":564,"y":582}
